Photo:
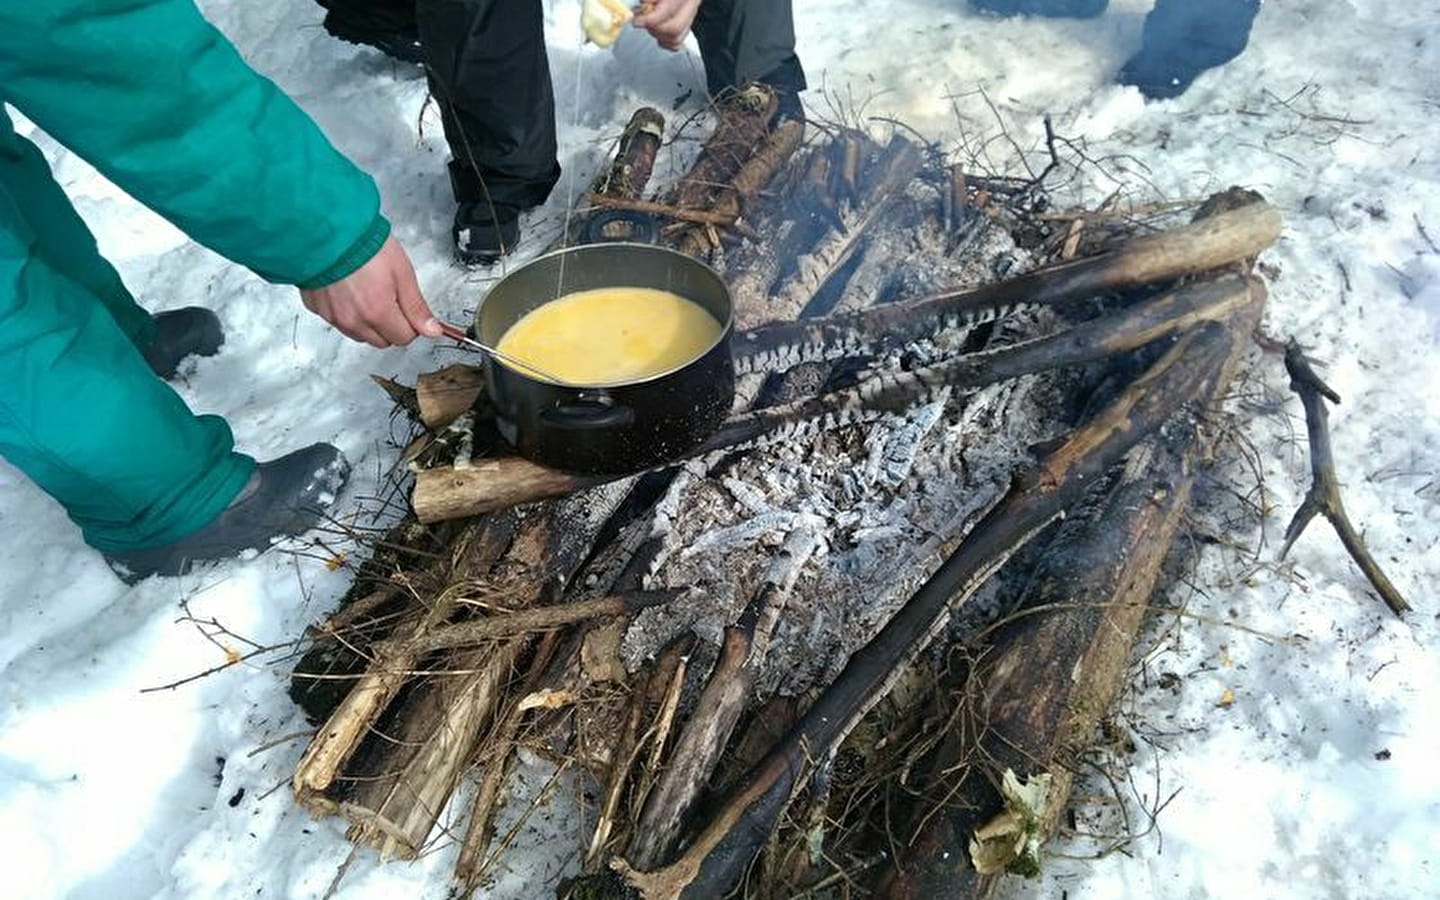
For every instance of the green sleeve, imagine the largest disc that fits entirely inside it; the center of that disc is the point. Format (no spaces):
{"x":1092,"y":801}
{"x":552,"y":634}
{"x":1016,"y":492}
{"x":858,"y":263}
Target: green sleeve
{"x":155,"y":98}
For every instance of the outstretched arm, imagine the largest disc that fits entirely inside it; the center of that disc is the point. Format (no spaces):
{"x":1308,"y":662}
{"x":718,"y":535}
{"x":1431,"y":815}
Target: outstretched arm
{"x":159,"y":101}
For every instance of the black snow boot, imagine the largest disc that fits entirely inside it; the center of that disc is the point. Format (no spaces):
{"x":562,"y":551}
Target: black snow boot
{"x":1066,"y":9}
{"x":283,"y":497}
{"x":369,"y":25}
{"x":484,"y":232}
{"x":1182,"y":39}
{"x":182,"y":333}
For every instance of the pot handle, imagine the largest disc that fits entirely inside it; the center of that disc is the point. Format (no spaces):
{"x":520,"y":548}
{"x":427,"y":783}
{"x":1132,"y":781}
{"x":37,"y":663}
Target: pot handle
{"x":644,"y":228}
{"x":584,"y":414}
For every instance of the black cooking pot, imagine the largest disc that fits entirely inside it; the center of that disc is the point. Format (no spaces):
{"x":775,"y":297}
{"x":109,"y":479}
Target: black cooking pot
{"x":609,"y":428}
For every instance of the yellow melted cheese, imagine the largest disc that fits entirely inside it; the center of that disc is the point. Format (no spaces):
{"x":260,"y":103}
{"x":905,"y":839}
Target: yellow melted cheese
{"x":611,"y":335}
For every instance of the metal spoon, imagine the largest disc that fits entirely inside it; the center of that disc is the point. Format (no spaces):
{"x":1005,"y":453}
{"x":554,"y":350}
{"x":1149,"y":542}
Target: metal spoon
{"x":455,"y":333}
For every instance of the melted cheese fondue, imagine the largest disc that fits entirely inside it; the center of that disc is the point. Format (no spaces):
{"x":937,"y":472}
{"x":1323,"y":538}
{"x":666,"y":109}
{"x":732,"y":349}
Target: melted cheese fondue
{"x":611,"y":335}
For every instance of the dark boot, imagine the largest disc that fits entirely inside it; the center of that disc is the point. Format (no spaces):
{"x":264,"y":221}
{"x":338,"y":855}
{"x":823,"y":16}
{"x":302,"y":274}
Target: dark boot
{"x":284,"y":497}
{"x":483,"y":233}
{"x":387,"y":25}
{"x":1182,"y":39}
{"x":1068,"y":9}
{"x":182,"y":333}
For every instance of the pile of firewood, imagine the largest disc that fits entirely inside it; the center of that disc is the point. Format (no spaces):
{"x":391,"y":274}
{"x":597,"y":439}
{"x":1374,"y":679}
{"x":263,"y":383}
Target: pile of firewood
{"x":760,"y":661}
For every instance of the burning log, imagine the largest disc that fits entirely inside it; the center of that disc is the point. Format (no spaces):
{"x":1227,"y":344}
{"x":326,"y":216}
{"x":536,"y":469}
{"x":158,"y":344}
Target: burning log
{"x":716,"y":859}
{"x":1213,"y":243}
{"x":494,"y":484}
{"x":1049,"y":676}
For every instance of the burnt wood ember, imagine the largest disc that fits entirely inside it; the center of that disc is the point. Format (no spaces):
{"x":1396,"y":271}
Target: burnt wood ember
{"x":696,"y":645}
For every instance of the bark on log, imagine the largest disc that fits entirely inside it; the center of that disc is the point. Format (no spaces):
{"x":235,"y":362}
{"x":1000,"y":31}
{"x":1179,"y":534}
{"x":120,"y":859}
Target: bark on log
{"x":1048,"y":678}
{"x":743,"y":124}
{"x":739,"y":191}
{"x":629,"y":173}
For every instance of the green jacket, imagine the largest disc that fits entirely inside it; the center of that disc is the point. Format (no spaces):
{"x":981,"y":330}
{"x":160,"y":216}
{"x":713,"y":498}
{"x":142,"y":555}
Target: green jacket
{"x":155,"y":98}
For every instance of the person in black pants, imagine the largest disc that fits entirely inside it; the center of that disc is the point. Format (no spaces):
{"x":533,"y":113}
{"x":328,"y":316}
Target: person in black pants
{"x":1182,"y":38}
{"x":488,"y":71}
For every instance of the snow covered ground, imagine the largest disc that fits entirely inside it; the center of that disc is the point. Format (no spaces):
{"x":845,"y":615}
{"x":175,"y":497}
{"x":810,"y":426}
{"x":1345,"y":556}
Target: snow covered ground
{"x":1318,"y":780}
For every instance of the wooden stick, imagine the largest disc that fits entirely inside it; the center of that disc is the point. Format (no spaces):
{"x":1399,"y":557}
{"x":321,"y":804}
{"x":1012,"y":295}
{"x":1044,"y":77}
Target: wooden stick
{"x":1324,"y":493}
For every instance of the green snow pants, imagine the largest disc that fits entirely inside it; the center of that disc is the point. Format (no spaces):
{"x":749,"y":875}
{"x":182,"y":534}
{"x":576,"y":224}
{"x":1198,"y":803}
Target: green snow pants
{"x":81,"y":413}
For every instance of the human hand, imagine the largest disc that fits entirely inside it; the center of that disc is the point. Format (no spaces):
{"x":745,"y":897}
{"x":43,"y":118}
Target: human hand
{"x":668,"y":21}
{"x":379,"y":304}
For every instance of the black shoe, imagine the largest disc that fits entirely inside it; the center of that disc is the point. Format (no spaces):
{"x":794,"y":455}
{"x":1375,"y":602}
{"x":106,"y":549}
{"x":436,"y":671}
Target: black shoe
{"x":402,"y":43}
{"x":788,"y":109}
{"x":484,"y":232}
{"x":182,"y":333}
{"x":283,"y":497}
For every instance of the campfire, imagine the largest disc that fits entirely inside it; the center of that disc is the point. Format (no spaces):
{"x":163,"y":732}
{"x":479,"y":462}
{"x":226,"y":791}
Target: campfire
{"x":861,"y":634}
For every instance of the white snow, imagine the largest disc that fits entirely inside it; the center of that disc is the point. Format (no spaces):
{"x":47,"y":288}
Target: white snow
{"x":1317,"y":781}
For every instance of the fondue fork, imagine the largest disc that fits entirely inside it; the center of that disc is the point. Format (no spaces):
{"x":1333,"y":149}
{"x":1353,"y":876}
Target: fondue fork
{"x":455,"y":333}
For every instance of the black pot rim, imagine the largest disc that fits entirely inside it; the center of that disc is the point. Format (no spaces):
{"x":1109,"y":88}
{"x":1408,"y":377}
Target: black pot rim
{"x":725,"y":327}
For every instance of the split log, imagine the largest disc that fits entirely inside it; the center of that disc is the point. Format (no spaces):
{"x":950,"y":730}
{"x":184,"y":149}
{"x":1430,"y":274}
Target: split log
{"x":717,"y":858}
{"x":394,"y":809}
{"x":445,"y":395}
{"x":497,"y":483}
{"x":493,"y":754}
{"x":1049,"y":676}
